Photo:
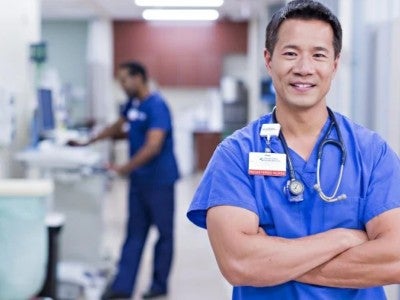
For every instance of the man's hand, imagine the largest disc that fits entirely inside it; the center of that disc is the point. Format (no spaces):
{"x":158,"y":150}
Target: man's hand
{"x":121,"y":170}
{"x":75,"y":143}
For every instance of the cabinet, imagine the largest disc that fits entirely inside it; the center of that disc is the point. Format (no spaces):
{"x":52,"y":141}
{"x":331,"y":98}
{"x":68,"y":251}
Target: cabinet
{"x":205,"y":142}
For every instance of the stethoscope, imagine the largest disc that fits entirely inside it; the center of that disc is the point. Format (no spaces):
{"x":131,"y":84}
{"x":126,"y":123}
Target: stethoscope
{"x":295,"y":186}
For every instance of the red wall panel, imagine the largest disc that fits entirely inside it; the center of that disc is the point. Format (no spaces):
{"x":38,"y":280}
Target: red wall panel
{"x":178,"y":55}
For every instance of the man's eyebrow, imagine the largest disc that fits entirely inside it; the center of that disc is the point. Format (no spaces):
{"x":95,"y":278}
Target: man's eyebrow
{"x":291,"y":47}
{"x":317,"y":48}
{"x":321,"y":49}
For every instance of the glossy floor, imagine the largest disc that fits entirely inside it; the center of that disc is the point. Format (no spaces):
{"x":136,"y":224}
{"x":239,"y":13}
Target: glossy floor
{"x":195,"y":274}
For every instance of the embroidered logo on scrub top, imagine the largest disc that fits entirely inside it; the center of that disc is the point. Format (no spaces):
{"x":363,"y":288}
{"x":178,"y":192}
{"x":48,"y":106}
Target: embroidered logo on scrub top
{"x":136,"y":115}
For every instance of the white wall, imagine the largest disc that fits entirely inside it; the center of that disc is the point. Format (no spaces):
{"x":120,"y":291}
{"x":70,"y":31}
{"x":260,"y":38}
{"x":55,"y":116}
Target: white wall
{"x":190,"y":108}
{"x":374,"y":65}
{"x":19,"y":26}
{"x":67,"y":48}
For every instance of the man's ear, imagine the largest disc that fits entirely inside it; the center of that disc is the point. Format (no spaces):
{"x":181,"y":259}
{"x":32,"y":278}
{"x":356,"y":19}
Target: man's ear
{"x":336,"y":64}
{"x":267,"y":59}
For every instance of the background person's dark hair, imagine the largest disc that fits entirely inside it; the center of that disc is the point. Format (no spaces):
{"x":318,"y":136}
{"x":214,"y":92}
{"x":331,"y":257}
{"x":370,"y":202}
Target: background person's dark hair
{"x":305,"y":10}
{"x":135,"y":68}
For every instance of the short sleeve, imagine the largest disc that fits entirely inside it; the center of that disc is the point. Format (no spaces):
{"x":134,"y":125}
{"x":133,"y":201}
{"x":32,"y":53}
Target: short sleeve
{"x":225,"y":182}
{"x":123,"y":112}
{"x":384,"y":185}
{"x":159,"y":116}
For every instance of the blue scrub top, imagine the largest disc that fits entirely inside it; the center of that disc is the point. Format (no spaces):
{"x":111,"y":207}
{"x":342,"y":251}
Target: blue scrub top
{"x":152,"y":113}
{"x":370,"y":180}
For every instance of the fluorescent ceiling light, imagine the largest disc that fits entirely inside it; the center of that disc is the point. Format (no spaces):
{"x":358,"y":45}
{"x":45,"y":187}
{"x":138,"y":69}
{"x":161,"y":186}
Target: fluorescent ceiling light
{"x":180,"y":3}
{"x":180,"y":14}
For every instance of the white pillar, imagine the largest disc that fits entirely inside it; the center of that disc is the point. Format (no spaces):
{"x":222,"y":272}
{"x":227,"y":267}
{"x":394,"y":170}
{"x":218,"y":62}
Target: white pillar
{"x":339,"y":97}
{"x":254,"y":60}
{"x":100,"y":70}
{"x":387,"y":92}
{"x":19,"y":27}
{"x":394,"y":101}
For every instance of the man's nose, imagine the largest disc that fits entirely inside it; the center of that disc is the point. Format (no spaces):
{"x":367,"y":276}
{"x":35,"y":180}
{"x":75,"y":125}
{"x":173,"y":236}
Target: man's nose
{"x":304,"y":65}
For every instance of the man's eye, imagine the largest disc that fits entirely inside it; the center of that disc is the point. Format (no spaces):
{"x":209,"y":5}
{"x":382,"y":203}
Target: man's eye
{"x":320,"y":55}
{"x":289,"y":54}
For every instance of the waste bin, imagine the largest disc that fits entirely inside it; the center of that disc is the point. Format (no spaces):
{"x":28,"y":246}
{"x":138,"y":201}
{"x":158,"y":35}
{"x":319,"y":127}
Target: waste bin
{"x":23,"y":236}
{"x":54,"y":223}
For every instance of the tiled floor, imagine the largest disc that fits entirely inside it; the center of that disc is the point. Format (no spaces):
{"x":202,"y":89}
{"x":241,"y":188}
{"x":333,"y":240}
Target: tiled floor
{"x":195,"y":275}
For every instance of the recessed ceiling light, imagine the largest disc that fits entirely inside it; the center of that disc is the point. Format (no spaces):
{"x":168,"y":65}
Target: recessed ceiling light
{"x":180,"y":3}
{"x":180,"y":14}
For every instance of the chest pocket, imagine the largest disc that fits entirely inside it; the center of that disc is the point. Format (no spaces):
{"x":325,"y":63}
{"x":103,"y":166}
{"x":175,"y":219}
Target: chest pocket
{"x":278,"y":216}
{"x":342,"y":214}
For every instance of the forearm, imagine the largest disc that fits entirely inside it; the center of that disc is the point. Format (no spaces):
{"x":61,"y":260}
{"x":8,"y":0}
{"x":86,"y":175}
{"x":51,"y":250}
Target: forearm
{"x":286,"y":259}
{"x":247,"y":256}
{"x":376,"y":262}
{"x":142,"y":156}
{"x":108,"y":132}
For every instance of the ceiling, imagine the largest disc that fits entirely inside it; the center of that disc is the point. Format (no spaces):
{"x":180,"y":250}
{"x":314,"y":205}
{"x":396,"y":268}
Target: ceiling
{"x":235,"y":10}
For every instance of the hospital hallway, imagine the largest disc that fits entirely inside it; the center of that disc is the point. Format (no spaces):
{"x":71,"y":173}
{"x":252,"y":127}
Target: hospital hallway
{"x":195,"y":274}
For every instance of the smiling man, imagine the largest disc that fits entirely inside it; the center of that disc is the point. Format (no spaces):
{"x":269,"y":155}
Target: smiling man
{"x":303,"y":203}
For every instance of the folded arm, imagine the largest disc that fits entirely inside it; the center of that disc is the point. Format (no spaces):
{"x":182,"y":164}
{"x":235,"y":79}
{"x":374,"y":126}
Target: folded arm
{"x":247,"y":256}
{"x":376,"y":262}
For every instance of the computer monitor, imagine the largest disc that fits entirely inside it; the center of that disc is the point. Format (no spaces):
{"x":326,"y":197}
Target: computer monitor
{"x":45,"y":113}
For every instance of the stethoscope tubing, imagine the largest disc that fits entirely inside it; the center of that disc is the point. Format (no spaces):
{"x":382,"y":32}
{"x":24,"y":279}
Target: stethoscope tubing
{"x":325,"y":141}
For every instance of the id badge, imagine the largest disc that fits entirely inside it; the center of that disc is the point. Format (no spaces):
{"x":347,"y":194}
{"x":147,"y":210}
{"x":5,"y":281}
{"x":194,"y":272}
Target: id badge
{"x":267,"y":164}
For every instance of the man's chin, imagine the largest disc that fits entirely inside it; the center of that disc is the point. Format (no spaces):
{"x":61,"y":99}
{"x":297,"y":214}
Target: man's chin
{"x":132,"y":95}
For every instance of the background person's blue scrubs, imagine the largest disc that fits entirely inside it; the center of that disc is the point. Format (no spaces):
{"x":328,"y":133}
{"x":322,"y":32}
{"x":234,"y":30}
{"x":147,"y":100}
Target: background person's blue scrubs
{"x":371,"y":181}
{"x":151,"y":196}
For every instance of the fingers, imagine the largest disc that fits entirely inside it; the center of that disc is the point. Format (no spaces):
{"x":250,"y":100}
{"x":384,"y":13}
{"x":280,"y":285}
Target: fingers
{"x":74,"y":143}
{"x":261,"y":231}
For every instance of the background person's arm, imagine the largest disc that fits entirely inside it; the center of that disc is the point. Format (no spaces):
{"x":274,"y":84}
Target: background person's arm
{"x":114,"y":130}
{"x":151,"y":147}
{"x":376,"y":262}
{"x":249,"y":257}
{"x":110,"y":131}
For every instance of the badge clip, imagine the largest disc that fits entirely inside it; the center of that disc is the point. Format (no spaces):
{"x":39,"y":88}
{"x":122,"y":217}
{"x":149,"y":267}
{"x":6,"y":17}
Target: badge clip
{"x":269,"y":130}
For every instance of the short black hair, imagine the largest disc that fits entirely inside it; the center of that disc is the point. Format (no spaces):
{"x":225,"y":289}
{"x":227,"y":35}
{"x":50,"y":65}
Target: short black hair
{"x":135,"y":68}
{"x":305,"y":10}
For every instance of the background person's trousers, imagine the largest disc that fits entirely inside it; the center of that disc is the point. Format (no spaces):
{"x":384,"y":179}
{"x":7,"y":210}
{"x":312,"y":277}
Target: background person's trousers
{"x":150,"y":205}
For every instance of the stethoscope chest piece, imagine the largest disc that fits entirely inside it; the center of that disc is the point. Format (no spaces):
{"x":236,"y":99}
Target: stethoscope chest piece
{"x":296,"y":187}
{"x":294,"y":190}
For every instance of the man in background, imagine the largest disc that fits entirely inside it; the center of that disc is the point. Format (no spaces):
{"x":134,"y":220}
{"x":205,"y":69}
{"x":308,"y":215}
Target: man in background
{"x":152,"y":171}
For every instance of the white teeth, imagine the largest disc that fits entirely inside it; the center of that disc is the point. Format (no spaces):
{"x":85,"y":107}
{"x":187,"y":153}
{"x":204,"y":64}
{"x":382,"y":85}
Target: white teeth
{"x":302,"y":85}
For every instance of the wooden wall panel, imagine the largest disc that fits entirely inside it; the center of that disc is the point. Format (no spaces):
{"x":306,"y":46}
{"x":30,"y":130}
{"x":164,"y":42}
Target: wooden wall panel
{"x":178,"y":55}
